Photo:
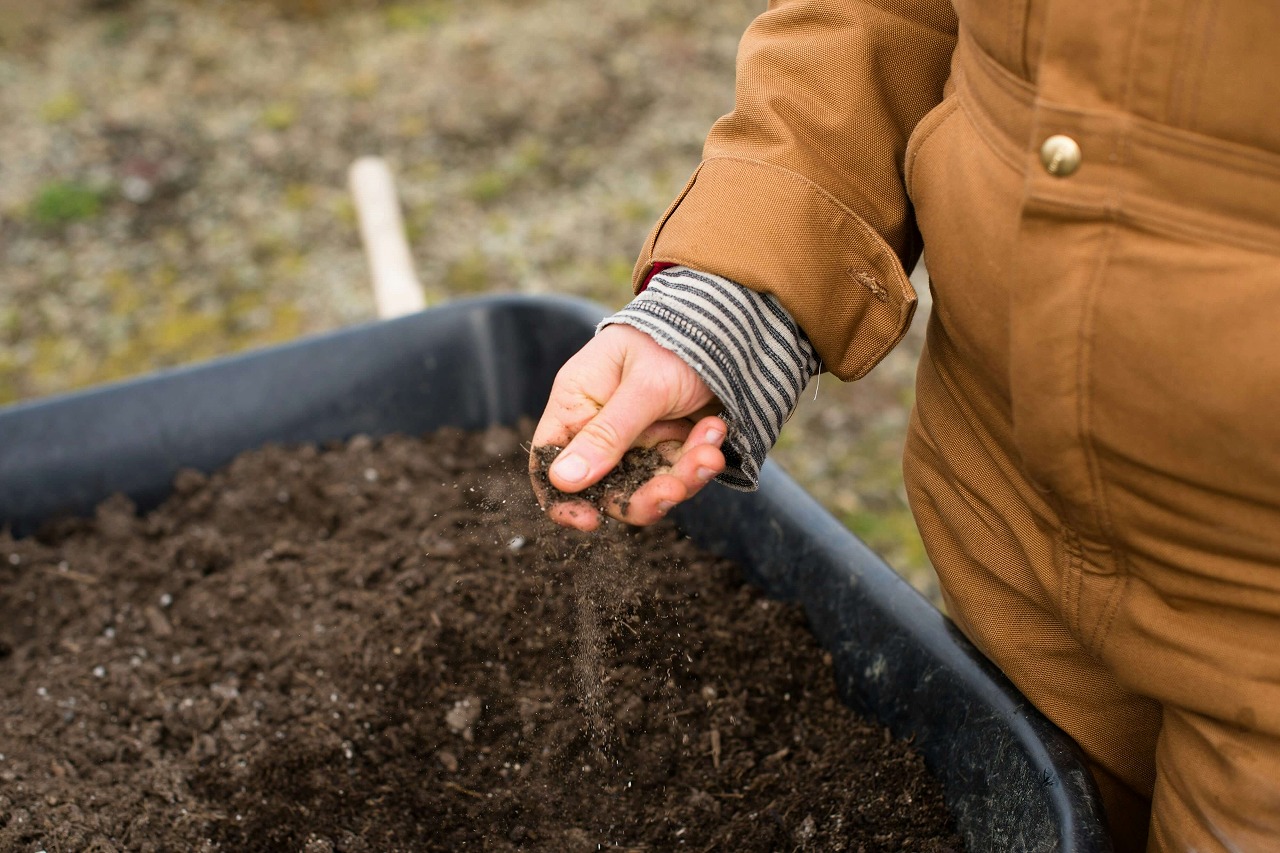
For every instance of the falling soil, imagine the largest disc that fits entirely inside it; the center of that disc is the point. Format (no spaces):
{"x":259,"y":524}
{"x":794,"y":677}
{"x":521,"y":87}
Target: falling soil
{"x":383,"y":646}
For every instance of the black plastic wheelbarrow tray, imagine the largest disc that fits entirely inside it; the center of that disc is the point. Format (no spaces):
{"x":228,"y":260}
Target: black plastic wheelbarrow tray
{"x":1012,"y":780}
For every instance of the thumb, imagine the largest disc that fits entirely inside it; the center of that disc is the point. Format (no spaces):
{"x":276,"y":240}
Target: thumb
{"x":600,"y":443}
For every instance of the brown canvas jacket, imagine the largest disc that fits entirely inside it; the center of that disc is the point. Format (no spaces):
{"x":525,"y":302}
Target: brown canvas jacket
{"x":802,"y":191}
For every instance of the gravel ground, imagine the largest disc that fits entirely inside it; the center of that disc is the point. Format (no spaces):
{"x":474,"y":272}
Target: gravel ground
{"x":173,"y":184}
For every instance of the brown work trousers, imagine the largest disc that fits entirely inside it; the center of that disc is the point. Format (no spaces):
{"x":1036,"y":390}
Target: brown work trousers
{"x":1094,"y":463}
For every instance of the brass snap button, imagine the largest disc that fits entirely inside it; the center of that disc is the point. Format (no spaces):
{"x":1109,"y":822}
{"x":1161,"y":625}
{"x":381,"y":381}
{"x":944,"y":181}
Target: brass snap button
{"x":1060,"y":156}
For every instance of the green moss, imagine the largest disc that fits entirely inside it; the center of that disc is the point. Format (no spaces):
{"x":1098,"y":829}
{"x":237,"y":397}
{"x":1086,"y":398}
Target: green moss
{"x":531,"y":156}
{"x":469,"y":274}
{"x":289,"y":264}
{"x":489,"y":186}
{"x":299,"y":196}
{"x":64,"y":202}
{"x":416,"y":16}
{"x":891,"y":532}
{"x":267,"y":246}
{"x":618,"y":270}
{"x":62,"y":108}
{"x":344,"y":210}
{"x":10,"y":323}
{"x":418,"y":219}
{"x":280,"y":115}
{"x":126,"y":299}
{"x":517,"y":168}
{"x":637,"y":211}
{"x":10,"y":372}
{"x":498,"y":223}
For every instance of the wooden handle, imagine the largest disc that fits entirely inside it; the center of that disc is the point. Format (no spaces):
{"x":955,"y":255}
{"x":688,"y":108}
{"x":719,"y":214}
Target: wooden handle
{"x":396,"y":289}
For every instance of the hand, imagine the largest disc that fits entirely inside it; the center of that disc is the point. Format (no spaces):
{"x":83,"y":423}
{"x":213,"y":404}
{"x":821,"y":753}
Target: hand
{"x":623,"y":390}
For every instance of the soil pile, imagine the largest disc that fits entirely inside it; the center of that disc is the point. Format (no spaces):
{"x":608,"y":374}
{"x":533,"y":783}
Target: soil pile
{"x":382,"y":645}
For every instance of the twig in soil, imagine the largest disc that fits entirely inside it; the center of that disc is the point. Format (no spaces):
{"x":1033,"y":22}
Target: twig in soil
{"x":454,"y":786}
{"x":71,"y":575}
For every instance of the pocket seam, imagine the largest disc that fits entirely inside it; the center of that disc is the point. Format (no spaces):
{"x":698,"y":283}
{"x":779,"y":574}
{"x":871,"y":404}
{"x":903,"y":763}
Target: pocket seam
{"x":924,"y":129}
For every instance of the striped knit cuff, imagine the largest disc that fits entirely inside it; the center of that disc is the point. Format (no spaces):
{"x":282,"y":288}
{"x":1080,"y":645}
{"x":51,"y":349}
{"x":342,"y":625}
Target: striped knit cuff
{"x":743,"y":344}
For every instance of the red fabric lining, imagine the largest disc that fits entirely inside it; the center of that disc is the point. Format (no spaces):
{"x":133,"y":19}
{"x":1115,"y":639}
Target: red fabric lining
{"x":657,"y":268}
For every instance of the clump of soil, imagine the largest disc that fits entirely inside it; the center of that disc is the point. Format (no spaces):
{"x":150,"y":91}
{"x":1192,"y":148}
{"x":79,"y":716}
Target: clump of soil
{"x":637,"y":467}
{"x":383,"y":646}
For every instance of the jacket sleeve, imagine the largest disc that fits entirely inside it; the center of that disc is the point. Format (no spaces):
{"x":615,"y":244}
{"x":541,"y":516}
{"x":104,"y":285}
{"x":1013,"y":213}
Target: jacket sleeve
{"x":800,"y":191}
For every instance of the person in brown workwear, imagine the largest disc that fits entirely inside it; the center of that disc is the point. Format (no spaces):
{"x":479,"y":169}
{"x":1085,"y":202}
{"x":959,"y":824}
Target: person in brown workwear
{"x":1094,"y":455}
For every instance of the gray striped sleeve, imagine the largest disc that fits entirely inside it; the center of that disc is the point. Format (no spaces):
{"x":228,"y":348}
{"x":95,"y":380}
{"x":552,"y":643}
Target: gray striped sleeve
{"x":743,"y":344}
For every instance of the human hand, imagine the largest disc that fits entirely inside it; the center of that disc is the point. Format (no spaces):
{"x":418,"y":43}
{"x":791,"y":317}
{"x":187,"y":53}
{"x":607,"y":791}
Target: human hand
{"x":623,"y":390}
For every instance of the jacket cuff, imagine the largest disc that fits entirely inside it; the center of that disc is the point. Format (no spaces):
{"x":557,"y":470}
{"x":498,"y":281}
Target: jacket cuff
{"x":776,"y":232}
{"x":743,"y":344}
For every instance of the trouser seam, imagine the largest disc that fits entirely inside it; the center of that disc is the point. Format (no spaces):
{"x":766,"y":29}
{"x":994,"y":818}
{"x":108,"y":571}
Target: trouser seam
{"x":1110,"y":609}
{"x":1084,"y":350}
{"x":1072,"y":578}
{"x":1102,"y":507}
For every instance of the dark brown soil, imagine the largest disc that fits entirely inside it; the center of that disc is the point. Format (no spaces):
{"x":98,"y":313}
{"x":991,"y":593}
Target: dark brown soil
{"x":637,"y":467}
{"x":384,"y":646}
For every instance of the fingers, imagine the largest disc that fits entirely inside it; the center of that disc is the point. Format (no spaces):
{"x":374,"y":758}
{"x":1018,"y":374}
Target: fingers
{"x":697,"y":462}
{"x":602,"y":441}
{"x":600,"y":403}
{"x":693,"y":464}
{"x":576,"y":514}
{"x":624,"y":390}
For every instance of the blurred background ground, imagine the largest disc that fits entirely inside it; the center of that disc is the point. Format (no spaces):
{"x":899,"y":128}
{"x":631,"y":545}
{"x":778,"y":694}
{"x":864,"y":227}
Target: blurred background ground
{"x":173,"y":184}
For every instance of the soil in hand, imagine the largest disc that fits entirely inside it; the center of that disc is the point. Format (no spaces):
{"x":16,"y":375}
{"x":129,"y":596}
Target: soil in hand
{"x":637,"y":467}
{"x":384,"y":645}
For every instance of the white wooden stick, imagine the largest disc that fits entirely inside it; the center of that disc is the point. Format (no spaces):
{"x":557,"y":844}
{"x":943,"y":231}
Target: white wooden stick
{"x":396,"y":289}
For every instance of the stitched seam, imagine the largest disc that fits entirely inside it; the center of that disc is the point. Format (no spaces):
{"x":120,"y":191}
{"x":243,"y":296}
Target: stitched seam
{"x":1019,"y":89}
{"x":945,"y":111}
{"x":1071,"y":585}
{"x":866,"y":361}
{"x":991,"y":135}
{"x":1181,"y":71}
{"x":1111,"y":609}
{"x":1183,"y":141}
{"x":1198,"y":229}
{"x":1193,"y":103}
{"x":1223,"y":153}
{"x":652,"y":241}
{"x":1145,"y":216}
{"x":1084,"y":386}
{"x":1131,"y":55}
{"x":1077,"y":591}
{"x":1024,"y":48}
{"x":1084,"y":400}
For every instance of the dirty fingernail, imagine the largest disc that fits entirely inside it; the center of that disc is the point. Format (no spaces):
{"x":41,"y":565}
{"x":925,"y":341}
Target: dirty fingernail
{"x":714,"y":436}
{"x":665,"y":506}
{"x":571,"y":468}
{"x":705,"y":474}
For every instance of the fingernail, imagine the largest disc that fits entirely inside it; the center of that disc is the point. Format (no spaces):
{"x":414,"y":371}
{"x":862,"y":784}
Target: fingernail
{"x":714,"y":436}
{"x":705,"y":474}
{"x":665,"y":506}
{"x":571,"y":468}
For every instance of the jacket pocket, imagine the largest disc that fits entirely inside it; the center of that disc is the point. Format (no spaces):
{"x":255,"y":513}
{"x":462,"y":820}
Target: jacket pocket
{"x":924,"y":129}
